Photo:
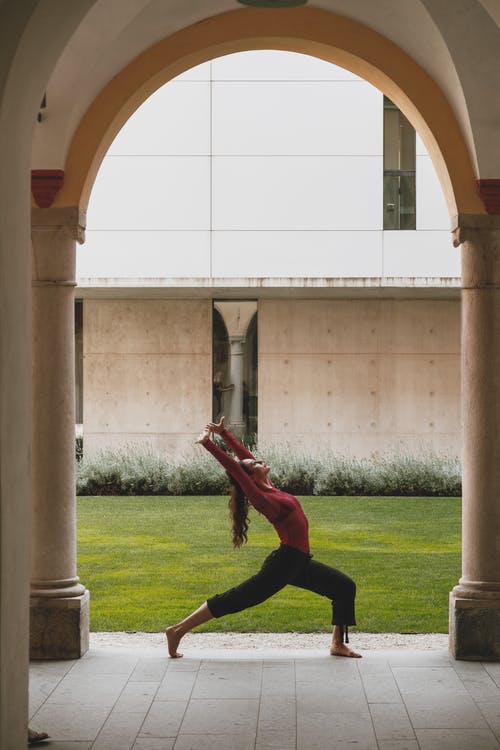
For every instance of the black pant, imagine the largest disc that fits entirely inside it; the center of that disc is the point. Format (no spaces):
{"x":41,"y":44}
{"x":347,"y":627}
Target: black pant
{"x":288,"y":565}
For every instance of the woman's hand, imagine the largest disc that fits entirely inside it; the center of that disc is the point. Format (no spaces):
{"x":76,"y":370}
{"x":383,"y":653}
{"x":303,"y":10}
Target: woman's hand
{"x":203,"y":436}
{"x":216,"y":427}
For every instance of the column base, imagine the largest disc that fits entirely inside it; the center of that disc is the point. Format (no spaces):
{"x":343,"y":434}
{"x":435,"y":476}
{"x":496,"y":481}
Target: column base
{"x":474,"y":628}
{"x":59,"y":627}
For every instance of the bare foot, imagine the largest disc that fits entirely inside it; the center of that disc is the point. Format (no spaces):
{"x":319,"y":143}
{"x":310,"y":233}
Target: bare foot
{"x":340,"y":649}
{"x":203,"y":436}
{"x":173,"y":640}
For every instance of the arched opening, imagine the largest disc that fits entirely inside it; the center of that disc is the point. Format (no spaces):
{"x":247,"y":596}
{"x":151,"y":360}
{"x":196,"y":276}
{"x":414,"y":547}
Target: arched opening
{"x":345,"y":42}
{"x":331,"y":37}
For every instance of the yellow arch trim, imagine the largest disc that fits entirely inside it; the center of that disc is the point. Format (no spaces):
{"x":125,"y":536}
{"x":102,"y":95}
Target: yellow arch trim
{"x":312,"y":31}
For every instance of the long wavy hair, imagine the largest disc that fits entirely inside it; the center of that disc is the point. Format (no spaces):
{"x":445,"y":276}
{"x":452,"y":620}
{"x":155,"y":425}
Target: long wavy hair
{"x":238,"y":510}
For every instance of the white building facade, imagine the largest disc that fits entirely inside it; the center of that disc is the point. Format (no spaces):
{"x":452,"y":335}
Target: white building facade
{"x":267,"y":216}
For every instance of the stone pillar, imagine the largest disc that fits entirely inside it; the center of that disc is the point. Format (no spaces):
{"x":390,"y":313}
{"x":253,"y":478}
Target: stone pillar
{"x":59,"y":602}
{"x":475,"y":602}
{"x":236,"y":421}
{"x":237,"y":315}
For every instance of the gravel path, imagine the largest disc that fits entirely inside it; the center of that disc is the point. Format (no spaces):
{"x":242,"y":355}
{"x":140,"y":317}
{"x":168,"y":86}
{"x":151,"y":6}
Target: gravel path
{"x":368,"y":641}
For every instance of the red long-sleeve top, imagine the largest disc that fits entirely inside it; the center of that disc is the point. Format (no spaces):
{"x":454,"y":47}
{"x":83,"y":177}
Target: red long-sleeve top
{"x":282,"y":510}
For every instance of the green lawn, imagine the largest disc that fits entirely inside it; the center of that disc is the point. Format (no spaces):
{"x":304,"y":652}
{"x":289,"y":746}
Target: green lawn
{"x":148,"y":561}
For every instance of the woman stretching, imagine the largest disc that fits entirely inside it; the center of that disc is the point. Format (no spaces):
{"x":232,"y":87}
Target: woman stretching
{"x":291,"y":563}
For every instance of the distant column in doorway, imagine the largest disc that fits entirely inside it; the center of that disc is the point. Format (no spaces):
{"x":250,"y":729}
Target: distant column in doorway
{"x":237,"y":315}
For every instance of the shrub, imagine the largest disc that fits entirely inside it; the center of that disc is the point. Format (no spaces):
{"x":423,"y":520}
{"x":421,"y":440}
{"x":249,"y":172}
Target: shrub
{"x":142,"y":471}
{"x":131,"y":471}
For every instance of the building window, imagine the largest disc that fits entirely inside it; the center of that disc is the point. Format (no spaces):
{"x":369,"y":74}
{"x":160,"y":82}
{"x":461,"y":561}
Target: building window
{"x":399,"y":169}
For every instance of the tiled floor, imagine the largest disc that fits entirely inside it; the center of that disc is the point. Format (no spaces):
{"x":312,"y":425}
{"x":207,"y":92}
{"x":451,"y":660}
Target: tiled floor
{"x":268,"y":699}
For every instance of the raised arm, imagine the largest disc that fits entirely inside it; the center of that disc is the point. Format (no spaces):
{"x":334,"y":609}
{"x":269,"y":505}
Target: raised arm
{"x":238,"y":449}
{"x":266,"y":505}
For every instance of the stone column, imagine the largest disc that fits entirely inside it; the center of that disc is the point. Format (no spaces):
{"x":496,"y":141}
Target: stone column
{"x":236,"y":421}
{"x":475,"y":602}
{"x":237,"y":315}
{"x":59,"y":602}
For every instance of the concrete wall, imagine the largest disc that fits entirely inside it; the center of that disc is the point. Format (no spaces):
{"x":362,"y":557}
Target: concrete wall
{"x":357,"y":376}
{"x":360,"y":376}
{"x":147,"y":372}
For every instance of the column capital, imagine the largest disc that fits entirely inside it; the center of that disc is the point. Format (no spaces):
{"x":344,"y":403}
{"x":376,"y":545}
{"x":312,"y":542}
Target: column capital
{"x":67,"y":218}
{"x":465,"y":226}
{"x":54,"y":232}
{"x":479,"y":235}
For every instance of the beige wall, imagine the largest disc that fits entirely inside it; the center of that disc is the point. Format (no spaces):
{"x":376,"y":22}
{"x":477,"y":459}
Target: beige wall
{"x":356,"y":376}
{"x":147,"y":372}
{"x":360,"y":376}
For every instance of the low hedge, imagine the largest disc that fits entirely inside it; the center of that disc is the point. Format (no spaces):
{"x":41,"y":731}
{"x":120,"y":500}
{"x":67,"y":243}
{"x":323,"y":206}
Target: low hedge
{"x":140,"y":471}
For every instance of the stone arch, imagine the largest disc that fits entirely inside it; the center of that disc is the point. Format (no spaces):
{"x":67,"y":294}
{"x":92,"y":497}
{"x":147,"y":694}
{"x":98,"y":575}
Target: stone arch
{"x":323,"y":34}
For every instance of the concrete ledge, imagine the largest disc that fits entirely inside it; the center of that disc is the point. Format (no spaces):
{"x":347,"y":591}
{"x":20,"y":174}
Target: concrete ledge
{"x":474,"y":629}
{"x":59,"y":627}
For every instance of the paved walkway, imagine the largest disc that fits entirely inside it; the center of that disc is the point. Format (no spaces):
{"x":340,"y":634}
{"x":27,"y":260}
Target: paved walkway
{"x":266,"y":699}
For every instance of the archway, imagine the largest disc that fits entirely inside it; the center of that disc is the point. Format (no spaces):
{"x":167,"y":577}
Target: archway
{"x":344,"y":42}
{"x":319,"y":33}
{"x":35,"y":35}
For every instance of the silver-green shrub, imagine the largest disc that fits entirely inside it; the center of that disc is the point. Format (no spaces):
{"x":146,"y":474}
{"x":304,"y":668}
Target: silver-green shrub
{"x":137,"y":470}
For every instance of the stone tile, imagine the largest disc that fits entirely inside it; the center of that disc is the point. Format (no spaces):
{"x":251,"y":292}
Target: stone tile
{"x":381,"y":687}
{"x":491,"y":712}
{"x":215,"y":742}
{"x":238,"y":684}
{"x":119,"y":732}
{"x":391,"y":721}
{"x":477,"y":681}
{"x":44,"y":677}
{"x":50,"y":670}
{"x":493,"y":670}
{"x":277,"y":707}
{"x":252,"y":666}
{"x":137,"y":697}
{"x":176,"y":686}
{"x":325,"y":697}
{"x":456,"y":739}
{"x":352,"y":727}
{"x":153,"y":743}
{"x":327,"y":669}
{"x":68,"y":745}
{"x":88,"y":690}
{"x":221,"y":717}
{"x":150,"y":669}
{"x":398,"y":745}
{"x":185,"y":664}
{"x":164,"y":719}
{"x":278,"y":681}
{"x":428,"y":681}
{"x":417,"y":658}
{"x":326,"y":741}
{"x":276,"y":740}
{"x":107,"y":661}
{"x":442,"y":712}
{"x":65,"y":722}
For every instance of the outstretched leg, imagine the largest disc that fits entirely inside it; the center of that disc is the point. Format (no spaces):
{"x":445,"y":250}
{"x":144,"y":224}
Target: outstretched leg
{"x":175,"y":632}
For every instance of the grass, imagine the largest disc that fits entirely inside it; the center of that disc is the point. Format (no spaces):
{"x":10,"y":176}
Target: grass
{"x":148,"y":561}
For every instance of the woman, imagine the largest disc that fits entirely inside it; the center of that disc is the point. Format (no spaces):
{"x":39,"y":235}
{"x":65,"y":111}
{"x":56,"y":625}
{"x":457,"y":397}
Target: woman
{"x":291,"y":563}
